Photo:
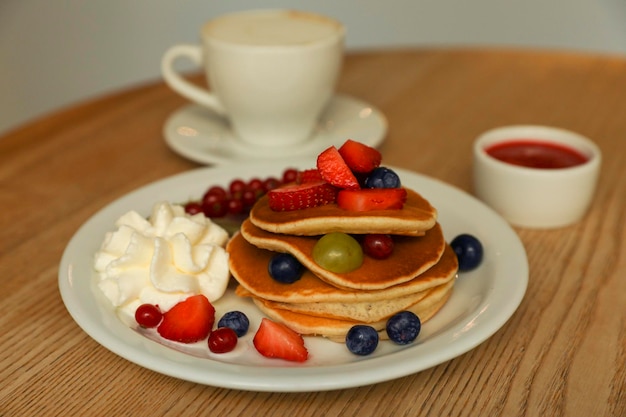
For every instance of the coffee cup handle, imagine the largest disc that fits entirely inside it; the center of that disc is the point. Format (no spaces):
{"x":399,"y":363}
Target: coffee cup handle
{"x":180,"y":84}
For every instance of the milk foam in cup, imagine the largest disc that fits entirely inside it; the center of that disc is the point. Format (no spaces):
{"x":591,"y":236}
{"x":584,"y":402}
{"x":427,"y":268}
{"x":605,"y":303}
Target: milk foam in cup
{"x":271,"y":73}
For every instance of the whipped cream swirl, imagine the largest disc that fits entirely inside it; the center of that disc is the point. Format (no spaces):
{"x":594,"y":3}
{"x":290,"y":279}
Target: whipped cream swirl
{"x":162,"y":260}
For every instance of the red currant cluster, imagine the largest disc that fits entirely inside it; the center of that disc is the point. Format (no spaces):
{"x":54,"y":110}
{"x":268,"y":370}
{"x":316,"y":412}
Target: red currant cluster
{"x":238,"y":197}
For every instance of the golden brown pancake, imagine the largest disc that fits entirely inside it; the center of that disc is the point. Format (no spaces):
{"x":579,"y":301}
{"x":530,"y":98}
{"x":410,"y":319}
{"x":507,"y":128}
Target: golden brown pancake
{"x":411,"y":257}
{"x":413,"y":219}
{"x":248,"y":265}
{"x":336,"y":329}
{"x":359,"y":311}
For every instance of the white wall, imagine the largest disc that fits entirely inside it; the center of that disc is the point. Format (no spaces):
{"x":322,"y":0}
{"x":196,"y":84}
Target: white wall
{"x":55,"y":53}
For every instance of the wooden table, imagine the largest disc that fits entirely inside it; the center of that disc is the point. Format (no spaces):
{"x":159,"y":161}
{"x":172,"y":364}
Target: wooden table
{"x":563,"y":353}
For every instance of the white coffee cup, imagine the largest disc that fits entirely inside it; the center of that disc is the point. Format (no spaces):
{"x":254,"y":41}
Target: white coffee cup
{"x":271,"y":72}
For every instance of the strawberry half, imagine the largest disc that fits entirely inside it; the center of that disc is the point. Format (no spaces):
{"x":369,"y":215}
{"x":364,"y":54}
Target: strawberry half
{"x":372,"y":199}
{"x":360,"y":157}
{"x":275,"y":340}
{"x":188,"y":321}
{"x":301,"y":196}
{"x":335,"y":171}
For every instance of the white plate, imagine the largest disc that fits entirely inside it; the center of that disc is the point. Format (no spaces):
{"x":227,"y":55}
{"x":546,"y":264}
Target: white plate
{"x":199,"y":134}
{"x":483,"y":299}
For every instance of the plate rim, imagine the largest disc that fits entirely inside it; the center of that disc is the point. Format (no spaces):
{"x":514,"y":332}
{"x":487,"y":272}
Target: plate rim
{"x":290,"y":378}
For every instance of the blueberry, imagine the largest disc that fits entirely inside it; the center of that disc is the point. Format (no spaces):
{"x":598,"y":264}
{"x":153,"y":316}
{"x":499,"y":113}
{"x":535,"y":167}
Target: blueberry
{"x":403,"y":327}
{"x":382,"y":177}
{"x":237,"y":321}
{"x":285,"y":268}
{"x":362,"y":339}
{"x":469,"y":251}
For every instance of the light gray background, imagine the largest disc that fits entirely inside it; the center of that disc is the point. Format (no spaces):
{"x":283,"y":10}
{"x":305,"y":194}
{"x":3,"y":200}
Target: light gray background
{"x":56,"y":53}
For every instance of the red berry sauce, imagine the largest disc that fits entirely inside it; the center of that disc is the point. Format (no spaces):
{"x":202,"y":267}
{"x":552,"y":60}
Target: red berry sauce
{"x":536,"y":154}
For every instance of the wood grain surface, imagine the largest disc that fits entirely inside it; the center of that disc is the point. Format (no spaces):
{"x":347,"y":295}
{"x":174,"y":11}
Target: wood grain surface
{"x":563,"y":353}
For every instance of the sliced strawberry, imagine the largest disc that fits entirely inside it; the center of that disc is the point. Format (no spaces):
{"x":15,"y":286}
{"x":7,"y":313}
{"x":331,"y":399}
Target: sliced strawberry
{"x":360,"y":157}
{"x":334,"y":170}
{"x":309,"y":175}
{"x":188,"y":321}
{"x":275,"y":340}
{"x":372,"y":199}
{"x":301,"y":196}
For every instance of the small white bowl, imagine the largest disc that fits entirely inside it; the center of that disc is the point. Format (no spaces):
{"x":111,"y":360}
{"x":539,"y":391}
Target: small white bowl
{"x":536,"y":197}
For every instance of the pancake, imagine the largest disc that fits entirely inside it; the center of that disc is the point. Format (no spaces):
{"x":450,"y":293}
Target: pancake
{"x":248,"y":264}
{"x":336,"y":329}
{"x":360,"y":311}
{"x":414,"y":219}
{"x":411,"y":257}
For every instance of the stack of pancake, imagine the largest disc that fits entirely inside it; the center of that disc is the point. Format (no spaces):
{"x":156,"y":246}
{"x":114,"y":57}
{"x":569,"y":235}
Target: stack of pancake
{"x":418,"y":276}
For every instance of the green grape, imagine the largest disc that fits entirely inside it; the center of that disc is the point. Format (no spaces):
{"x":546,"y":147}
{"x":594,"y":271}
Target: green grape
{"x":338,"y":252}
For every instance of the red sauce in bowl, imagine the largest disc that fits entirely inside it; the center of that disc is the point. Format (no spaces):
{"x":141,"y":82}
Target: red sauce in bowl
{"x":536,"y":154}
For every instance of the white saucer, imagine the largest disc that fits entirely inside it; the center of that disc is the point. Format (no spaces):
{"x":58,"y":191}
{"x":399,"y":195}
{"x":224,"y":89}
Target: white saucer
{"x":197,"y":133}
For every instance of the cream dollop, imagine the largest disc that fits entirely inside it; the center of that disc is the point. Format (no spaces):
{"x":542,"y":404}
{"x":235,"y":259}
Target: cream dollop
{"x":163,"y":259}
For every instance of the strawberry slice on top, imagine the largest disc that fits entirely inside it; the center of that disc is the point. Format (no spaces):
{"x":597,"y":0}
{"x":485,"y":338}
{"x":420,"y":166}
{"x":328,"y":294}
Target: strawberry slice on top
{"x":369,"y":199}
{"x":360,"y":157}
{"x":301,"y":196}
{"x":309,"y":175}
{"x":335,"y":171}
{"x":275,"y":340}
{"x":188,"y":321}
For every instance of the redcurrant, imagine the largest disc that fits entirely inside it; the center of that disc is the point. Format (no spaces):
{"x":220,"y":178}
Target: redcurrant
{"x":148,"y":315}
{"x":222,"y":340}
{"x":193,"y":207}
{"x":290,"y":175}
{"x":378,"y":246}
